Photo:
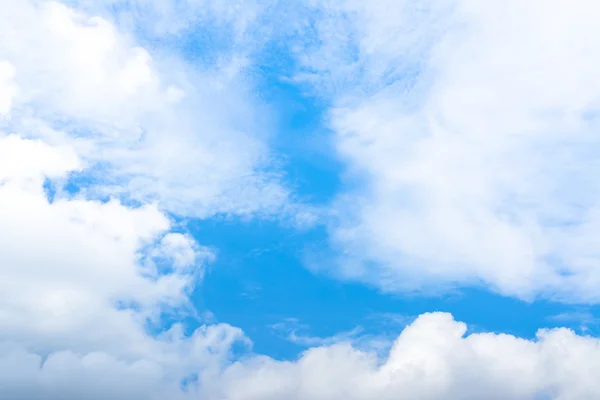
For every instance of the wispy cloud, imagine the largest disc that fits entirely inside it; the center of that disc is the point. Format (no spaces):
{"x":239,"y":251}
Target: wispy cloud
{"x":587,"y":322}
{"x":296,"y":332}
{"x":383,"y":328}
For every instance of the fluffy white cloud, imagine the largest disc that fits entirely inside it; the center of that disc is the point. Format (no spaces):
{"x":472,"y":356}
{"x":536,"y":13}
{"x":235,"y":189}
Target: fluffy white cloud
{"x":431,"y":359}
{"x":81,"y":279}
{"x":84,"y":281}
{"x":147,"y":126}
{"x":472,"y":128}
{"x":66,"y":265}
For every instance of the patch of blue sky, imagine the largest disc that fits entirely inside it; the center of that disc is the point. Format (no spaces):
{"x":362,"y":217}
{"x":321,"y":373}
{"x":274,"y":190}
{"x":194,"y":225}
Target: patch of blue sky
{"x":50,"y":189}
{"x":259,"y":280}
{"x":92,"y":181}
{"x":303,"y":141}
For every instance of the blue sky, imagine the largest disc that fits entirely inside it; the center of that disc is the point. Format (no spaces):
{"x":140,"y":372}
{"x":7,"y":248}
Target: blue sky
{"x":250,"y":200}
{"x":261,"y":267}
{"x":265,"y":282}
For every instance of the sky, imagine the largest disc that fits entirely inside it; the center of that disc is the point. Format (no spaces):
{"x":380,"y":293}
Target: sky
{"x":304,"y":200}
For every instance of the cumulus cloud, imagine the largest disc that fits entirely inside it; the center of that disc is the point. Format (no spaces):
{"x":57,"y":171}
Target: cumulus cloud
{"x":431,"y":359}
{"x":67,"y":263}
{"x":79,"y":287}
{"x":471,"y":129}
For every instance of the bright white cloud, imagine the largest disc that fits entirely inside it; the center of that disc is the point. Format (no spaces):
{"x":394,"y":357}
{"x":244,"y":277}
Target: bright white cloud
{"x":152,"y":127}
{"x":67,"y":264}
{"x":80,"y":281}
{"x":472,"y":127}
{"x":431,"y":359}
{"x":8,"y":89}
{"x":84,"y":282}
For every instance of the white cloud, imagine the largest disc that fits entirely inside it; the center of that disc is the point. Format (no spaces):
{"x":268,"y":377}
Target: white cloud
{"x":147,"y":125}
{"x":8,"y":89}
{"x":431,"y":359}
{"x":65,"y":265}
{"x":84,"y":282}
{"x":472,"y":128}
{"x":79,"y":286}
{"x":24,"y":160}
{"x":180,"y":250}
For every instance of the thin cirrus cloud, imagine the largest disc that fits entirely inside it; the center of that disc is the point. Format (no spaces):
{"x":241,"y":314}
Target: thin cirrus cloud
{"x":469,"y":128}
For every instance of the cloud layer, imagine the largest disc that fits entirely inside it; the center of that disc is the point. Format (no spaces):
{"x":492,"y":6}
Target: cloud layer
{"x":431,"y":359}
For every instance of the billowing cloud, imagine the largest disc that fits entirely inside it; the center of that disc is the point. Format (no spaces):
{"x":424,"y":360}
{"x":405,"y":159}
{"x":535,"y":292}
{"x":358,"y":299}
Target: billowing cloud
{"x":431,"y":359}
{"x":82,"y":282}
{"x":471,"y":128}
